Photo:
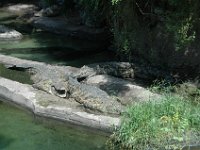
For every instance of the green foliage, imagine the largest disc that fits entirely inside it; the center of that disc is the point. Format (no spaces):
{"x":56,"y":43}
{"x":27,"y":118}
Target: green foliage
{"x":94,"y":12}
{"x":114,"y":2}
{"x":47,"y":3}
{"x":180,"y":23}
{"x":169,"y":124}
{"x":151,"y":28}
{"x":66,"y":5}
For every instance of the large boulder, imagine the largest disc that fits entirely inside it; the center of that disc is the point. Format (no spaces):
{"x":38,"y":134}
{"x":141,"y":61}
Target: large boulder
{"x":64,"y":26}
{"x":9,"y":34}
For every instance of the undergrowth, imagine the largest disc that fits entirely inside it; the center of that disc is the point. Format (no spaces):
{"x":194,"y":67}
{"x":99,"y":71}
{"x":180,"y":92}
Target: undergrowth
{"x":170,"y":123}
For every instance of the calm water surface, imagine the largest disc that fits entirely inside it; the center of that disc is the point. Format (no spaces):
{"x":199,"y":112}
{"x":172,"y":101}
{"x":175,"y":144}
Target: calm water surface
{"x":22,"y":131}
{"x":51,"y":48}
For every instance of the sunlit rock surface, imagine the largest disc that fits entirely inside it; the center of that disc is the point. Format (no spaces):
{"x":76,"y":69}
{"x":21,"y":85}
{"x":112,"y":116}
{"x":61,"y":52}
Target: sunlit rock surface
{"x":9,"y":34}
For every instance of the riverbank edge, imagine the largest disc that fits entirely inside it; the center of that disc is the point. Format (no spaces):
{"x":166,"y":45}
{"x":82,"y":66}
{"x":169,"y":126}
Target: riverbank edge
{"x":25,"y":96}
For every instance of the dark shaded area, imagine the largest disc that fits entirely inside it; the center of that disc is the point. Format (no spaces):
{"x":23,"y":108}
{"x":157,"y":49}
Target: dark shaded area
{"x":62,"y":56}
{"x":5,"y":2}
{"x":5,"y":141}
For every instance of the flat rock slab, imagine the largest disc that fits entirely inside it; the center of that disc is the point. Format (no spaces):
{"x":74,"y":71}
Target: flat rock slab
{"x":21,"y":8}
{"x":9,"y":34}
{"x":127,"y":92}
{"x":43,"y":104}
{"x":60,"y":25}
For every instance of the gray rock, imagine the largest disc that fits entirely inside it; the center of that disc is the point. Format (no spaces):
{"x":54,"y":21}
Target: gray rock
{"x":117,"y":69}
{"x":51,"y":11}
{"x":9,"y":34}
{"x":127,"y":92}
{"x":124,"y":70}
{"x":61,"y":25}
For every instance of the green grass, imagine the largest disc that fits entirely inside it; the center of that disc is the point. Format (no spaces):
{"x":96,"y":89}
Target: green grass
{"x":169,"y":124}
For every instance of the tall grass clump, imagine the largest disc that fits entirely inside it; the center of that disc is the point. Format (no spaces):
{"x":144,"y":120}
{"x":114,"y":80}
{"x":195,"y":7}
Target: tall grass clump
{"x":168,"y":124}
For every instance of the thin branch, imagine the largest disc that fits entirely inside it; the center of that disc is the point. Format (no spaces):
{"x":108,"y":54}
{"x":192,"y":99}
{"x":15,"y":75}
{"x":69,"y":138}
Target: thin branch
{"x":141,"y":11}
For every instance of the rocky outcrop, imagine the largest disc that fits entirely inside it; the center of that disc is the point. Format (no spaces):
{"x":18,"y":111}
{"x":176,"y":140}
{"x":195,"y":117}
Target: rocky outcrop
{"x":9,"y":34}
{"x":126,"y":92}
{"x":51,"y":11}
{"x":63,"y":26}
{"x":124,"y":70}
{"x":117,"y":69}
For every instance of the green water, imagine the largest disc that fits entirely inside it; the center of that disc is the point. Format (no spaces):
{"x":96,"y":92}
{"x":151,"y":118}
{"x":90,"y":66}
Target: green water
{"x":22,"y":131}
{"x":54,"y":49}
{"x":20,"y":76}
{"x":51,"y":48}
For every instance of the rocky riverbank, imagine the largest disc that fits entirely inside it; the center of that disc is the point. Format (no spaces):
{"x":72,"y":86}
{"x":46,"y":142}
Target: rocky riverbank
{"x":94,"y":95}
{"x":66,"y":93}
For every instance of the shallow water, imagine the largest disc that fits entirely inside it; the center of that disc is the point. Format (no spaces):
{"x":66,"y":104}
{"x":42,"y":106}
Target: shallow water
{"x":54,"y":49}
{"x":22,"y":131}
{"x":20,"y":76}
{"x":51,"y":48}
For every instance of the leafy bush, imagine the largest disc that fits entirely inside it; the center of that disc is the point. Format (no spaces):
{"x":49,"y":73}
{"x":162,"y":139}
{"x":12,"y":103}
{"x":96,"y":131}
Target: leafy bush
{"x":154,"y":29}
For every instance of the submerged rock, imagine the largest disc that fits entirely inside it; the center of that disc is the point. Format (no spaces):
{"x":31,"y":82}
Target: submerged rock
{"x":9,"y":34}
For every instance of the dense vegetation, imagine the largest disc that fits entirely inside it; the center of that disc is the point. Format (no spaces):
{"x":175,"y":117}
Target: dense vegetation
{"x":169,"y":124}
{"x":164,"y":33}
